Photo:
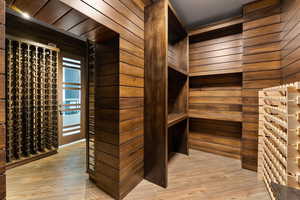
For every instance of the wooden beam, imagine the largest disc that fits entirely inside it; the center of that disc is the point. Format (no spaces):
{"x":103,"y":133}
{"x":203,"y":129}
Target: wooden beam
{"x":217,"y":25}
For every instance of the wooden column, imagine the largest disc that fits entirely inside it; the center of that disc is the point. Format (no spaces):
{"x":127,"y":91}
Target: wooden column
{"x":119,"y":126}
{"x":2,"y":100}
{"x":290,"y":44}
{"x":156,"y":162}
{"x":261,"y":68}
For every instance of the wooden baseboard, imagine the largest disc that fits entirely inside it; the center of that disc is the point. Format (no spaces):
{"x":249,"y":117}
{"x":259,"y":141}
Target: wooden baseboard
{"x":29,"y":159}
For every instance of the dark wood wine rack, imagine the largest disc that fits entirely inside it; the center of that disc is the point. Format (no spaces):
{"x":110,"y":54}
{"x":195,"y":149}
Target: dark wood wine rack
{"x":91,"y":109}
{"x":32,"y":106}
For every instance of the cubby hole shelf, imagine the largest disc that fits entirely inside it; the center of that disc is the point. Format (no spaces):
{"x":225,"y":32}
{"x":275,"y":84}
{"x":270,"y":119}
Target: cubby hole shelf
{"x":216,"y":136}
{"x":217,"y":72}
{"x":177,"y":138}
{"x":223,"y":116}
{"x":177,"y":69}
{"x":174,"y":118}
{"x":216,"y":97}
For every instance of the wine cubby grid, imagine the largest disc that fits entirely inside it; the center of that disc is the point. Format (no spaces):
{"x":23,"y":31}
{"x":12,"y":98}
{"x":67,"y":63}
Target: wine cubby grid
{"x":32,"y":111}
{"x":279,"y":132}
{"x":91,"y":108}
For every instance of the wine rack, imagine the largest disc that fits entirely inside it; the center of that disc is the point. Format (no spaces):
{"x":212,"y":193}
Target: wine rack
{"x":91,"y":109}
{"x":279,"y":136}
{"x":32,"y":111}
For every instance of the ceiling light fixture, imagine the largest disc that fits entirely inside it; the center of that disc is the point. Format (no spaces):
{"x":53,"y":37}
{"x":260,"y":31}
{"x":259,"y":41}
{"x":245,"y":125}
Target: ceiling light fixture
{"x":26,"y":15}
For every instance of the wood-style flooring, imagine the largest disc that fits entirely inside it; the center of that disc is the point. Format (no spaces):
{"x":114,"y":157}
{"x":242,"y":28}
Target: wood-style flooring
{"x":201,"y":176}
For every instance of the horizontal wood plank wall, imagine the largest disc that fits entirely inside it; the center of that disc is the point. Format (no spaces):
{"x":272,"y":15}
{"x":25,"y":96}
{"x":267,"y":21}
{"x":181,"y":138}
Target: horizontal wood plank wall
{"x":261,"y":68}
{"x":215,"y":96}
{"x":218,"y":56}
{"x":2,"y":100}
{"x":106,"y":117}
{"x":123,"y":92}
{"x":215,"y":136}
{"x":290,"y":52}
{"x":216,"y":101}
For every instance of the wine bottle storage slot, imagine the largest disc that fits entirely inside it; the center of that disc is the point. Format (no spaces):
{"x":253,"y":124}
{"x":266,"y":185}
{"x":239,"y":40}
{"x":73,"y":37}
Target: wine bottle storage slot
{"x":32,"y":111}
{"x":91,"y":109}
{"x":278,"y":136}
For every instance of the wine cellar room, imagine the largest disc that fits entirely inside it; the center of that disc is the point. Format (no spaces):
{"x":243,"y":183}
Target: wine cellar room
{"x":149,"y":99}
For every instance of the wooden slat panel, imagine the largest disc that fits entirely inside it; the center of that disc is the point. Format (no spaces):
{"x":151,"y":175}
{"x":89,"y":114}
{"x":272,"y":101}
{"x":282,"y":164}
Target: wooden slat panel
{"x":216,"y":41}
{"x":225,"y":45}
{"x":218,"y":115}
{"x":216,"y":60}
{"x":223,"y":52}
{"x":259,"y":5}
{"x":52,"y":11}
{"x":2,"y":39}
{"x":220,"y":66}
{"x":108,"y":10}
{"x":131,"y":70}
{"x":2,"y":136}
{"x":290,"y":45}
{"x":29,"y":6}
{"x":262,"y":30}
{"x":215,"y":101}
{"x":220,"y":137}
{"x":273,"y":19}
{"x":132,"y":6}
{"x":105,"y":20}
{"x":2,"y":86}
{"x":125,"y":11}
{"x":131,"y":48}
{"x":274,"y":37}
{"x":263,"y":57}
{"x":84,"y":27}
{"x":261,"y":66}
{"x":262,"y":48}
{"x":2,"y":102}
{"x":2,"y":111}
{"x":69,"y":20}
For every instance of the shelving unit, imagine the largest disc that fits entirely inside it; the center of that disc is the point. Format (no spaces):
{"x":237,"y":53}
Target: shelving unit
{"x":32,"y":108}
{"x":215,"y":111}
{"x":166,"y":97}
{"x":215,"y":89}
{"x":278,"y":156}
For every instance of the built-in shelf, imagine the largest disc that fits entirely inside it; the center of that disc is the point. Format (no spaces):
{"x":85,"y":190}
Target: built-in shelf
{"x":217,"y":115}
{"x":217,"y":72}
{"x":177,"y":69}
{"x":167,"y":61}
{"x":174,"y":118}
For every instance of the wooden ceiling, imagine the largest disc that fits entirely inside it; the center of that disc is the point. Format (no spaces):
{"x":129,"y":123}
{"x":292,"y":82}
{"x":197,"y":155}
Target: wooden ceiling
{"x":61,"y":16}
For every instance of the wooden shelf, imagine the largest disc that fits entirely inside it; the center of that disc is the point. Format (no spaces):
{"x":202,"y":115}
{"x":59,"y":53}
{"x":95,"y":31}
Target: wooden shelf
{"x":174,"y":118}
{"x":177,"y":69}
{"x":217,"y":72}
{"x":217,"y":115}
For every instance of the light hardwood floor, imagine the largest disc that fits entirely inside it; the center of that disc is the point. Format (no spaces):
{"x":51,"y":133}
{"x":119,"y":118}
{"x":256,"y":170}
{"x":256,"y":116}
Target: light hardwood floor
{"x":201,"y":176}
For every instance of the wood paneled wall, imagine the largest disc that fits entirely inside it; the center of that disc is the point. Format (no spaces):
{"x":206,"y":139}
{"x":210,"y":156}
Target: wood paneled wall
{"x":216,"y":136}
{"x":120,"y":99}
{"x":218,"y":56}
{"x":261,"y":68}
{"x":2,"y":100}
{"x":215,"y":110}
{"x":215,"y":96}
{"x":290,"y":35}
